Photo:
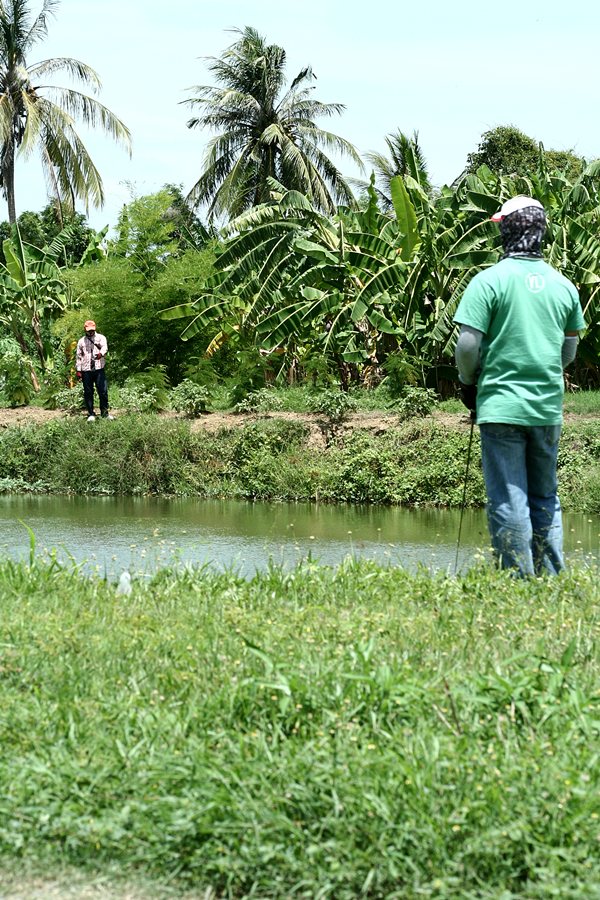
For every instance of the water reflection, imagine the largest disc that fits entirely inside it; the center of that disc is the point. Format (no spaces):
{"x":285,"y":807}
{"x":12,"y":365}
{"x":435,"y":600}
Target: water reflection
{"x":109,"y":534}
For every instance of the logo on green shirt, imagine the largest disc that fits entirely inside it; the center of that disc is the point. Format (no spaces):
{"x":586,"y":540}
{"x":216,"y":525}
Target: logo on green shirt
{"x":535,"y":282}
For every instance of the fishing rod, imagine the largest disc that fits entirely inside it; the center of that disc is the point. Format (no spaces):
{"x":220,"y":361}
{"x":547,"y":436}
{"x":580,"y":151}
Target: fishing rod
{"x":464,"y":496}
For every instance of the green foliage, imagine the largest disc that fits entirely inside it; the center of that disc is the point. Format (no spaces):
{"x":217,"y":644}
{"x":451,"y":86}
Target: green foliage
{"x":385,"y":734}
{"x":16,"y":387}
{"x":349,"y":290}
{"x":334,"y":408}
{"x":32,"y":291}
{"x":406,"y":217}
{"x":250,"y":375}
{"x":263,"y":400}
{"x":40,"y":229}
{"x":335,"y":405}
{"x":578,"y":460}
{"x":405,"y":157}
{"x":135,"y":398}
{"x":69,"y":399}
{"x":400,"y":371}
{"x":566,"y":161}
{"x":508,"y":151}
{"x":505,"y":150}
{"x":419,"y":463}
{"x":156,"y":227}
{"x":146,"y":391}
{"x":583,"y":403}
{"x":58,"y":378}
{"x":30,"y":227}
{"x":128,"y":310}
{"x":415,"y":402}
{"x":190,"y":398}
{"x":132,"y":455}
{"x":40,"y":115}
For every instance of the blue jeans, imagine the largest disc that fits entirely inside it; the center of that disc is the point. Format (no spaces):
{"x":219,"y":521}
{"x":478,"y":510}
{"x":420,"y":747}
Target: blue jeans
{"x":98,"y":378}
{"x":524,"y":516}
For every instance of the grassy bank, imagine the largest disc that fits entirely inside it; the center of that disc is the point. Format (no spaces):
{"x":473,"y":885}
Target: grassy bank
{"x":318,"y":733}
{"x":418,"y":462}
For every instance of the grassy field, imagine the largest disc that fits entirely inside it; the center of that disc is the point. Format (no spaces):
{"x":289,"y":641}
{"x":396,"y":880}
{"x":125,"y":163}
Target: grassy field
{"x":316,"y":733}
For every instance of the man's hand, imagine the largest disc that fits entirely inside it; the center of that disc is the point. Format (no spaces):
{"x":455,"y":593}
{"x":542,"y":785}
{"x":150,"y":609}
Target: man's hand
{"x":78,"y":374}
{"x":468,"y":395}
{"x":98,"y":356}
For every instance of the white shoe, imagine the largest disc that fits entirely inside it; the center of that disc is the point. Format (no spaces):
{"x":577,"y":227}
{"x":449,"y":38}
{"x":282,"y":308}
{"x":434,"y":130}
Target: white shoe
{"x":109,"y":417}
{"x":91,"y":418}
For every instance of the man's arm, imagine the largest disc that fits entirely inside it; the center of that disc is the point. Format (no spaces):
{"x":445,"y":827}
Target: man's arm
{"x":102,"y":346}
{"x":569,"y":348}
{"x":467,"y":354}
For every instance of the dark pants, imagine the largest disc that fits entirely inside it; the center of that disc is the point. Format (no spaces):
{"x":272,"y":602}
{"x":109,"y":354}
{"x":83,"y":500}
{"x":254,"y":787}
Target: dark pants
{"x":98,"y":378}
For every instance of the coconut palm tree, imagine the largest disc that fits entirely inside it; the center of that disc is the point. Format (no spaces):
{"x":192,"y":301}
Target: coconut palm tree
{"x":265,"y":132}
{"x":405,"y":157}
{"x":39,"y":115}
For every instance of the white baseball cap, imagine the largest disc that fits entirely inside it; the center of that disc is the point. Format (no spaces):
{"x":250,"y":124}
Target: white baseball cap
{"x":514,"y":204}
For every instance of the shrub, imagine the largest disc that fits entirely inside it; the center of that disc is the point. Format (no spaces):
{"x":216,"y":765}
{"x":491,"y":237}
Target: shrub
{"x":400,"y":371}
{"x":69,"y":399}
{"x":262,"y":400}
{"x":415,"y":401}
{"x":155,"y":384}
{"x":15,"y":374}
{"x":137,"y":399}
{"x":249,"y":375}
{"x":190,"y":398}
{"x":57,"y":379}
{"x":335,"y":407}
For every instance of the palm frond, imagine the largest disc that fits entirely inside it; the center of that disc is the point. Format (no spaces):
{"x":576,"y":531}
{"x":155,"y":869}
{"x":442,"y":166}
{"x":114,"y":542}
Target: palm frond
{"x":39,"y":28}
{"x":91,"y":112}
{"x":74,"y":67}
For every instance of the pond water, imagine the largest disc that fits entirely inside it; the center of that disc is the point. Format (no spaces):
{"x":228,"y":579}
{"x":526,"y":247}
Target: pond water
{"x":107,"y":534}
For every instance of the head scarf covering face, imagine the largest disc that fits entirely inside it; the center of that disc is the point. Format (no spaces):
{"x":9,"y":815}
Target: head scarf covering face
{"x":522,"y":232}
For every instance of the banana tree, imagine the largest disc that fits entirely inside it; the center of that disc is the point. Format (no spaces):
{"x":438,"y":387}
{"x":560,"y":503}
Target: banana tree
{"x":354,"y":286}
{"x":571,"y":243}
{"x":296,"y":279}
{"x":31,"y":292}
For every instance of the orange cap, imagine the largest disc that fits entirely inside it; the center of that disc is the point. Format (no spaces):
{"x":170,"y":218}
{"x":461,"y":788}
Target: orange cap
{"x":89,"y":325}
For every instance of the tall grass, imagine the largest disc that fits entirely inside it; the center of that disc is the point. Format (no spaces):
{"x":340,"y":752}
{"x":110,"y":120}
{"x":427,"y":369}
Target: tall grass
{"x":418,"y":462}
{"x":583,"y":403}
{"x":329,"y":733}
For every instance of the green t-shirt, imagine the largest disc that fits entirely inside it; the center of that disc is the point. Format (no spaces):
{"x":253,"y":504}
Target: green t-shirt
{"x":523,"y":307}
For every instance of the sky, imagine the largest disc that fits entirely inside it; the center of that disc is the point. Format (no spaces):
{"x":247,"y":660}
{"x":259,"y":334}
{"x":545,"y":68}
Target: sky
{"x":450,"y":71}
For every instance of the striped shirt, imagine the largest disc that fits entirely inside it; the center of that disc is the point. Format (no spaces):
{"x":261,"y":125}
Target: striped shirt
{"x":88,"y":350}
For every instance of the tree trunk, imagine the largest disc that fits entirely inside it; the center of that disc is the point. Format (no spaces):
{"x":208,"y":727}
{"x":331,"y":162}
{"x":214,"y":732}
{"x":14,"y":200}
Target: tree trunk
{"x":8,"y":178}
{"x":37,"y":340}
{"x":21,"y":342}
{"x":343,"y":373}
{"x":34,"y":379}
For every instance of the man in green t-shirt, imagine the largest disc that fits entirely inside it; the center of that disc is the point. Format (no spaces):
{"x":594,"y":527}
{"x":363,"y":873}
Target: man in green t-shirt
{"x":519,"y":328}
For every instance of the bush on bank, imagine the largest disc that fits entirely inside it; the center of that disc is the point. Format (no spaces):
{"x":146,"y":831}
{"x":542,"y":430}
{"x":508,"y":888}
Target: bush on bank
{"x":357,"y":731}
{"x":419,"y":462}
